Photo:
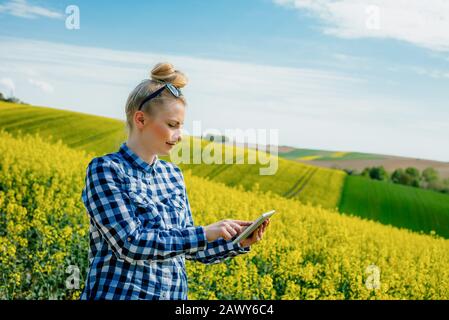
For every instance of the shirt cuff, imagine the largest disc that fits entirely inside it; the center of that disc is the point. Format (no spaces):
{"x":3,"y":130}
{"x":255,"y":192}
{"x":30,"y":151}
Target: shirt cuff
{"x":194,"y":239}
{"x":237,"y":247}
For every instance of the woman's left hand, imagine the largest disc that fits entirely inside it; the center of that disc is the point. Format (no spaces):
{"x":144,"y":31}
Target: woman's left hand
{"x":256,"y":236}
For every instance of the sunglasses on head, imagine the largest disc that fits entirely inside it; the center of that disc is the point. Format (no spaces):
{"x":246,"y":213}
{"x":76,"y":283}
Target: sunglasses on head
{"x":175,"y":91}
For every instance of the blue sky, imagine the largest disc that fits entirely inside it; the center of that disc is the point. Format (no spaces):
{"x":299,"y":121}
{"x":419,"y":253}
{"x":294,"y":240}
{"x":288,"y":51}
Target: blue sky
{"x":370,"y":76}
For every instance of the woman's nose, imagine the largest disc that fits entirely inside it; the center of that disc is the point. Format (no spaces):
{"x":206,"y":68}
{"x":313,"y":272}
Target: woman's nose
{"x":178,"y":136}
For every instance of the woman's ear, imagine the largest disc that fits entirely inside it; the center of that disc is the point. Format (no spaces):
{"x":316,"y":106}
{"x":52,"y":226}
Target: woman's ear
{"x":139,"y":119}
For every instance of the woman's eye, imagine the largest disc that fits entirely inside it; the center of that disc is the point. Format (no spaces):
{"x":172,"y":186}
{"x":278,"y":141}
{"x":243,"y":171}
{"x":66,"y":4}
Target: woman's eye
{"x":171,"y":125}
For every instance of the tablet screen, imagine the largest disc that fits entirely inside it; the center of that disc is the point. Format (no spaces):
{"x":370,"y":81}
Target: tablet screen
{"x":248,"y":231}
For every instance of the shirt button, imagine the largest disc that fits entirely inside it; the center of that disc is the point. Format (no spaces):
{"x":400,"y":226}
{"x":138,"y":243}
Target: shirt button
{"x":129,"y":239}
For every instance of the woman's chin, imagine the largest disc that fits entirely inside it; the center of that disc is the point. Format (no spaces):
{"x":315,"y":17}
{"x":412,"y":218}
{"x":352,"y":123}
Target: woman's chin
{"x":165,"y":152}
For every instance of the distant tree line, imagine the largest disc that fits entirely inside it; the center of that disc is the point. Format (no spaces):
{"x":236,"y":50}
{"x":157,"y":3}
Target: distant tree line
{"x":10,"y":99}
{"x":427,"y":179}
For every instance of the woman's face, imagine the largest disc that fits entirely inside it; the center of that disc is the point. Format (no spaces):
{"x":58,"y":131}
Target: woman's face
{"x":159,"y":132}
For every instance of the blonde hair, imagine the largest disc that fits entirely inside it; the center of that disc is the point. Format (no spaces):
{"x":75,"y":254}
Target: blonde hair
{"x":161,"y":73}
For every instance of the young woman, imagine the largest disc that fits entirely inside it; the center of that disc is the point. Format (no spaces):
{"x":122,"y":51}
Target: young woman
{"x":141,"y":227}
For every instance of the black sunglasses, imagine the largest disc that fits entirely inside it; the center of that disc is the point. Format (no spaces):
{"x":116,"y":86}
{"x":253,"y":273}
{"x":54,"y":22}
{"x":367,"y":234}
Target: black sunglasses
{"x":175,"y":91}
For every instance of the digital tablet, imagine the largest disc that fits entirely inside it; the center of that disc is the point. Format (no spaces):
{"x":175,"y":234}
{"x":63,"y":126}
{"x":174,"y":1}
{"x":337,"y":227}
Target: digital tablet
{"x":248,"y":231}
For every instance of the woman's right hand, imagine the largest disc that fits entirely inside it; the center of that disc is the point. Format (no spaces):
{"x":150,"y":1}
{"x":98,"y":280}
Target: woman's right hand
{"x":225,"y":229}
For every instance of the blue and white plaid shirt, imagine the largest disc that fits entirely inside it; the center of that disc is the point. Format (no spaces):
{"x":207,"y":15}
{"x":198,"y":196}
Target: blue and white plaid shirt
{"x":141,"y":230}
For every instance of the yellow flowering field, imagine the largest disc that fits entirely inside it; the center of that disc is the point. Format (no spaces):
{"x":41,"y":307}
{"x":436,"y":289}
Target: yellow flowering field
{"x":43,"y":228}
{"x":313,"y":253}
{"x":308,"y":252}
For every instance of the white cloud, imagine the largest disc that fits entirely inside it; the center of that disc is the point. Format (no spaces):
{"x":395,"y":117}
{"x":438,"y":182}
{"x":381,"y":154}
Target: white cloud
{"x":22,"y":9}
{"x":311,"y":107}
{"x":433,"y":73}
{"x":8,"y":85}
{"x":422,"y":23}
{"x":42,"y":85}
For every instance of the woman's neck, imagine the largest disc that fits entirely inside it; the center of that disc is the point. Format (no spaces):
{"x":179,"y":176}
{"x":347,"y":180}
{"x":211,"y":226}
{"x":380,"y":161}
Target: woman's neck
{"x":137,"y":148}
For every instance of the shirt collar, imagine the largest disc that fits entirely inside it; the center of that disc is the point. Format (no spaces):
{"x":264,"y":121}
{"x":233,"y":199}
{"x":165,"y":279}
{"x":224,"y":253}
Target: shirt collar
{"x":136,"y":161}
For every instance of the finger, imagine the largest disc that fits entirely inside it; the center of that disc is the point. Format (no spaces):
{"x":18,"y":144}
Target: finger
{"x":265,"y":226}
{"x":254,"y":236}
{"x":235,"y":226}
{"x":257,"y":233}
{"x":226,"y":235}
{"x":242,"y":222}
{"x":231,"y":229}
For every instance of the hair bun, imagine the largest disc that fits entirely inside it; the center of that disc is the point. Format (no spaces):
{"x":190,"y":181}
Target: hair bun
{"x":165,"y":71}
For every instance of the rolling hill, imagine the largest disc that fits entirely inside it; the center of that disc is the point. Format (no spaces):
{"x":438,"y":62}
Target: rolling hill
{"x":401,"y":206}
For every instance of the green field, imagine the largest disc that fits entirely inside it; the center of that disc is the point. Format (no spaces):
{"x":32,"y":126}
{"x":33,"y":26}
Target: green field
{"x":401,"y":206}
{"x":94,"y":134}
